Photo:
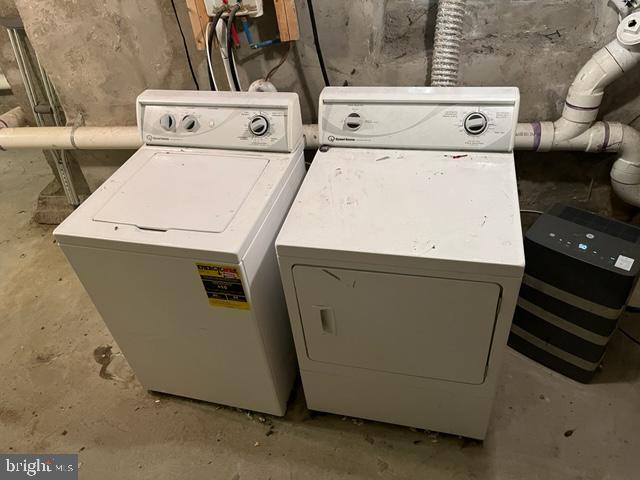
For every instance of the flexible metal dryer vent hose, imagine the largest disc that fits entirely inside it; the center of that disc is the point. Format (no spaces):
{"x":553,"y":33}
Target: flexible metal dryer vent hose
{"x":446,"y":50}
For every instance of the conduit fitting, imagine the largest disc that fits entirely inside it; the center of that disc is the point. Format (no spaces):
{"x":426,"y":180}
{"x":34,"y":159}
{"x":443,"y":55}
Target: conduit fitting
{"x":446,"y":50}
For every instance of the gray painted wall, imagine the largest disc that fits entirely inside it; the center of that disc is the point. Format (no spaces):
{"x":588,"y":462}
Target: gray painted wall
{"x":102,"y":54}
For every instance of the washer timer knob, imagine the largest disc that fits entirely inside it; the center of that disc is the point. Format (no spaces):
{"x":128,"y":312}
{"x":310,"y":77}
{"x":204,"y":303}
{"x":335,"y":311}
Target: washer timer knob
{"x":190,"y":123}
{"x":353,"y":122}
{"x":168,"y":122}
{"x":259,"y":125}
{"x":476,"y":123}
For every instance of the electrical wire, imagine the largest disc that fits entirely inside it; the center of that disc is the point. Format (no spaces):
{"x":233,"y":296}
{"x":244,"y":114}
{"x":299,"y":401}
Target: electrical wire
{"x":533,"y":212}
{"x":629,"y":336}
{"x":211,"y":29}
{"x":212,"y":81}
{"x":186,"y":48}
{"x":273,"y":71}
{"x":316,"y":40}
{"x":232,"y":61}
{"x":221,"y":35}
{"x":247,"y":30}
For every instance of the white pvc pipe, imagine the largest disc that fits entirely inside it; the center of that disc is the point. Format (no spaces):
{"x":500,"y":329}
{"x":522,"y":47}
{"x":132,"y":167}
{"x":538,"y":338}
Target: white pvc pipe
{"x":71,"y":138}
{"x":575,"y":130}
{"x":311,"y":136}
{"x":587,"y":90}
{"x":602,"y":137}
{"x":94,"y":138}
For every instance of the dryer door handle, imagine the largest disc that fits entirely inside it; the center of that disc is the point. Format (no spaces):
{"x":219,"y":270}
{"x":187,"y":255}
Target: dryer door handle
{"x":327,"y":319}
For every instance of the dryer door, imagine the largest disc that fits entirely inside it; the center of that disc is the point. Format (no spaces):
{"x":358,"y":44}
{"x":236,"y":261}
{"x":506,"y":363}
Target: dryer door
{"x":421,"y":326}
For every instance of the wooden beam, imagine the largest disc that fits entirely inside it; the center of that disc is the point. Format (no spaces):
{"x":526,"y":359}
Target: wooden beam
{"x":287,"y":20}
{"x":199,"y":19}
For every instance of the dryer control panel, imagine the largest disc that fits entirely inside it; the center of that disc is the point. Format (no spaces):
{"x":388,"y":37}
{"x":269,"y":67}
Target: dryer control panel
{"x":420,"y":118}
{"x":221,"y":120}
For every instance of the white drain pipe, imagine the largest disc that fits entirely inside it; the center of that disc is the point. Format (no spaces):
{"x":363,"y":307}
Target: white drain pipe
{"x":70,"y":138}
{"x":93,"y":138}
{"x":585,"y":94}
{"x":576,"y":131}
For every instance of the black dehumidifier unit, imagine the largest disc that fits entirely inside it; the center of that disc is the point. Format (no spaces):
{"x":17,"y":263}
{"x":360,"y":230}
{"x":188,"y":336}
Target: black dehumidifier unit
{"x":580,"y":270}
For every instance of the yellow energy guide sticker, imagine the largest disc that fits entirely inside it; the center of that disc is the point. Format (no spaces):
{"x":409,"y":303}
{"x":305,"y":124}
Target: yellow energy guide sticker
{"x":223,"y":285}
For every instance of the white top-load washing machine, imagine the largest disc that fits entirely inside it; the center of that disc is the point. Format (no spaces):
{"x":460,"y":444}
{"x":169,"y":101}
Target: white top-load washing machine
{"x":177,"y":252}
{"x":402,"y":255}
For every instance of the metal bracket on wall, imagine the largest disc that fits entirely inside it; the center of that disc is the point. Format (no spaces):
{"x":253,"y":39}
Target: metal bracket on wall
{"x":37,"y":83}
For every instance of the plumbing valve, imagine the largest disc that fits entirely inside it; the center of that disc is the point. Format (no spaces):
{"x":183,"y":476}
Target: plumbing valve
{"x":629,"y":30}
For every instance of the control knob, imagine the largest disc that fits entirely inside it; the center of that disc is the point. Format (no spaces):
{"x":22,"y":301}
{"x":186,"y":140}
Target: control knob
{"x":168,"y":122}
{"x":190,"y":123}
{"x":476,"y":123}
{"x":353,"y":122}
{"x":259,"y":125}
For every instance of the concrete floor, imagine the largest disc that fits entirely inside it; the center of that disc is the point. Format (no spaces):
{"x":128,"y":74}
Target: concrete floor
{"x":57,"y":397}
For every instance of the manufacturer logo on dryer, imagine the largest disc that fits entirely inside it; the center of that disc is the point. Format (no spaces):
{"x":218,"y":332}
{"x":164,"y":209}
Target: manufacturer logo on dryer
{"x":333,"y":139}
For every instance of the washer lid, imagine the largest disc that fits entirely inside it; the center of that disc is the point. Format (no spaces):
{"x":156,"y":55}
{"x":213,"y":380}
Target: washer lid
{"x":184,"y":191}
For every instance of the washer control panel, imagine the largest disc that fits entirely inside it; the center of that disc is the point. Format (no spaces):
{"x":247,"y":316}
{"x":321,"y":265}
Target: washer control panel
{"x":237,"y":120}
{"x":474,"y":118}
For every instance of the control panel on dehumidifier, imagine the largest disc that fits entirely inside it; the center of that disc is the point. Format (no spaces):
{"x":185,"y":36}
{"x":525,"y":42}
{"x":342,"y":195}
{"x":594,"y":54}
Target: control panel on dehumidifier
{"x":590,"y":247}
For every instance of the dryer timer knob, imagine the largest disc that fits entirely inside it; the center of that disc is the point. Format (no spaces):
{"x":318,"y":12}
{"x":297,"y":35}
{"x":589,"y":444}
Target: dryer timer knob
{"x":259,"y":125}
{"x":476,"y":123}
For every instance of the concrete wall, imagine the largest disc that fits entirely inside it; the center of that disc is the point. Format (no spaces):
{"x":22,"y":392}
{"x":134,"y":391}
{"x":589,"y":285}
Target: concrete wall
{"x":102,"y":54}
